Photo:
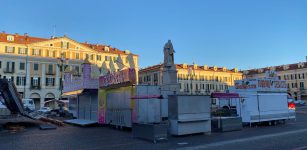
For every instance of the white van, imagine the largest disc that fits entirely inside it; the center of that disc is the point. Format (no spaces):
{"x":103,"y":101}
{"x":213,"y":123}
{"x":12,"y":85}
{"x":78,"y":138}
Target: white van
{"x":28,"y":104}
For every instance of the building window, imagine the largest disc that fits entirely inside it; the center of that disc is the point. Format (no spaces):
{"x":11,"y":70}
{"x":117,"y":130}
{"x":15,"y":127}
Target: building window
{"x":65,"y":45}
{"x":21,"y":66}
{"x":9,"y":49}
{"x":35,"y":67}
{"x":21,"y":81}
{"x":302,"y":85}
{"x":155,"y":77}
{"x":10,"y":67}
{"x":36,"y":52}
{"x":50,"y":53}
{"x":22,"y":51}
{"x":49,"y":81}
{"x":108,"y":58}
{"x":92,"y":57}
{"x":98,"y":57}
{"x":50,"y":69}
{"x":77,"y":56}
{"x":10,"y":38}
{"x":35,"y":82}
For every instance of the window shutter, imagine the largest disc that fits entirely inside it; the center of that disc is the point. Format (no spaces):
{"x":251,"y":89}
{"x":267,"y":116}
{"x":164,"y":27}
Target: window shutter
{"x":39,"y":82}
{"x":13,"y":49}
{"x":40,"y":52}
{"x":53,"y":53}
{"x":7,"y":65}
{"x":24,"y":81}
{"x":46,"y":82}
{"x":12,"y":78}
{"x":13,"y":66}
{"x":52,"y":81}
{"x":6,"y":49}
{"x":19,"y":50}
{"x":26,"y":50}
{"x":17,"y":82}
{"x":67,"y":45}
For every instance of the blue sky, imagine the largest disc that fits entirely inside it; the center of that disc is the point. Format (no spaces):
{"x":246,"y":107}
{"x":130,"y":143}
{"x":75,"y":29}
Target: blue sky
{"x":233,"y":33}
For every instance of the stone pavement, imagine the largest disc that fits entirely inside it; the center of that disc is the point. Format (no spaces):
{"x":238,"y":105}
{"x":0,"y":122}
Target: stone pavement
{"x":289,"y":136}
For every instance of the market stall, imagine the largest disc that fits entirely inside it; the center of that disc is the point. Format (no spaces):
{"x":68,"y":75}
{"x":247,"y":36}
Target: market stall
{"x":265,"y":100}
{"x":226,"y":112}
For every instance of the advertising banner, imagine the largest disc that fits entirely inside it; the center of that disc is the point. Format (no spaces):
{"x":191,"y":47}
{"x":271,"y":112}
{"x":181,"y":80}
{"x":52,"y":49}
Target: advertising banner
{"x":118,"y":78}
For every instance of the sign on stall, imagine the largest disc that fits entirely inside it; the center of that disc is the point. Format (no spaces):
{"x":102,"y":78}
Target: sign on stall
{"x":117,"y":78}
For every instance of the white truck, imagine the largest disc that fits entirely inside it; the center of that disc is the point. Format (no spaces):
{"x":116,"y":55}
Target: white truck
{"x":263,"y":100}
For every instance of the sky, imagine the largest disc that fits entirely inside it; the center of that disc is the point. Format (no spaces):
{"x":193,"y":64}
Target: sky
{"x":233,"y":33}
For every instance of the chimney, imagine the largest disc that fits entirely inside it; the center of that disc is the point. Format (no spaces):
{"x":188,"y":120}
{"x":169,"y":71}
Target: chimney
{"x":3,"y":32}
{"x":16,"y":34}
{"x":52,"y":37}
{"x":25,"y":34}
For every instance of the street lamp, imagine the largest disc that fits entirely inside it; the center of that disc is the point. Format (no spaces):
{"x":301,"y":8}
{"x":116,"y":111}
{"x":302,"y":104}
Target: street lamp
{"x":62,"y":64}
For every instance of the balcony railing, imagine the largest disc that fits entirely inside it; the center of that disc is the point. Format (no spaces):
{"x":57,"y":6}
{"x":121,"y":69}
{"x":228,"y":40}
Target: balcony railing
{"x":50,"y":73}
{"x":35,"y":87}
{"x":9,"y":70}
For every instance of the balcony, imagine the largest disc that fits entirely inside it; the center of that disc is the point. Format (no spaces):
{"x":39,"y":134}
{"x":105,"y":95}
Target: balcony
{"x":35,"y":87}
{"x":50,"y":73}
{"x":9,"y":70}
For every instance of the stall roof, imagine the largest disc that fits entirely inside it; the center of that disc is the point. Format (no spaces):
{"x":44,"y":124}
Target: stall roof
{"x":225,"y":95}
{"x":72,"y":93}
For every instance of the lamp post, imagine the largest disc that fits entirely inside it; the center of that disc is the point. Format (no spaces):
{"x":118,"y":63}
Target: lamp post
{"x":26,"y":67}
{"x":62,"y":64}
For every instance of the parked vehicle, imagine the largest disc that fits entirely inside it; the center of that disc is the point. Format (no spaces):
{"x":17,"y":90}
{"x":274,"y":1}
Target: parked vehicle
{"x":44,"y":110}
{"x":28,"y":104}
{"x":299,"y":102}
